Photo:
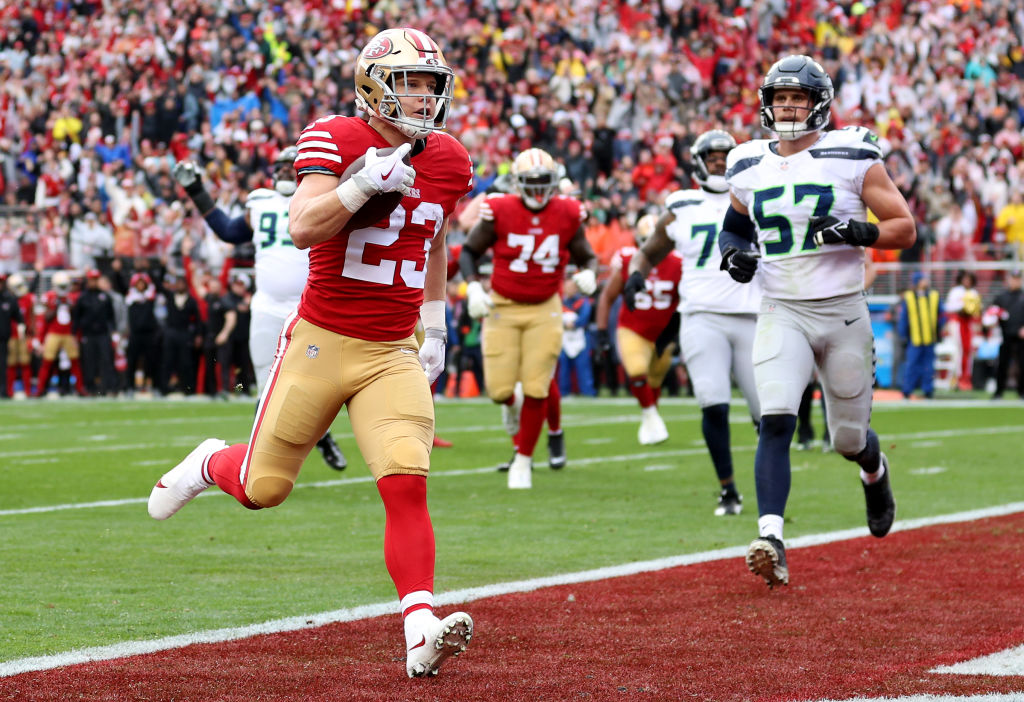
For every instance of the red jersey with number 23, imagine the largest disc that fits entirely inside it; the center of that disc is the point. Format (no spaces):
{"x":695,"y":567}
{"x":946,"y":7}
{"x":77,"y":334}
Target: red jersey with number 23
{"x":659,"y":299}
{"x":532,"y":248}
{"x":368,"y":283}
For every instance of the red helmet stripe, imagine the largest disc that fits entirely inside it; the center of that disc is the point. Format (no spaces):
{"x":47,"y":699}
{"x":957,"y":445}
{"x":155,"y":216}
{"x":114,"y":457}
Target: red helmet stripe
{"x":424,"y":44}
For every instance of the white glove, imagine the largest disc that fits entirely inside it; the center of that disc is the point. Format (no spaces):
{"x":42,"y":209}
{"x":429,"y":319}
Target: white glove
{"x":586,"y":281}
{"x":186,"y":173}
{"x":432,"y":353}
{"x":478,"y":302}
{"x":385,"y":174}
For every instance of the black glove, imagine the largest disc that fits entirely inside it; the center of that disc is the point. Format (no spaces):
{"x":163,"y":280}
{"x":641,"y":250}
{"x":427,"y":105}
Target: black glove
{"x":829,"y":230}
{"x":741,"y":265}
{"x":669,"y":335}
{"x":635,"y":283}
{"x":602,"y":346}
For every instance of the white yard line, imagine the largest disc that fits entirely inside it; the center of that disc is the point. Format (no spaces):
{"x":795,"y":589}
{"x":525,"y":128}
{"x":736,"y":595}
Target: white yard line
{"x":458,"y":597}
{"x":945,"y":433}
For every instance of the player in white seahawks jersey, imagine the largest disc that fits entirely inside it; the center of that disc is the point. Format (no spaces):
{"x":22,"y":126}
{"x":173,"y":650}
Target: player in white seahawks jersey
{"x":718,"y":314}
{"x":281,"y":268}
{"x":801,"y":201}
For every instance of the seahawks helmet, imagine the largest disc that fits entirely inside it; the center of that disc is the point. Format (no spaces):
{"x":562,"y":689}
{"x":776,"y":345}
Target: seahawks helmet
{"x":284,"y":171}
{"x":714,"y":140}
{"x":804,"y":73}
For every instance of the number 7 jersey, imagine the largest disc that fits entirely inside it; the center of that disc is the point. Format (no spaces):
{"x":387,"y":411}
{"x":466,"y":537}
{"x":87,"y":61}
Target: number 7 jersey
{"x":368,"y":283}
{"x":531,"y":248}
{"x":695,"y":229}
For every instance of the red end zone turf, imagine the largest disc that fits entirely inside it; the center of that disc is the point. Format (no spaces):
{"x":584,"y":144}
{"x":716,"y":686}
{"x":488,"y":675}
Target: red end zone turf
{"x":864,"y":617}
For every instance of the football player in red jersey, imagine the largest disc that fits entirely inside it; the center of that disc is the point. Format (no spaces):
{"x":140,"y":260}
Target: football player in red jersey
{"x":532,"y":233}
{"x":645,"y":335}
{"x":55,"y":332}
{"x":19,"y":355}
{"x":351,"y":341}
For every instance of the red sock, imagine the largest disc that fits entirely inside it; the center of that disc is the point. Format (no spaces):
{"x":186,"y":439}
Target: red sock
{"x":657,"y":394}
{"x":408,"y":533}
{"x":44,"y":377}
{"x":642,"y":391}
{"x":12,"y":374}
{"x":223,"y":468}
{"x":26,"y":379}
{"x":530,"y":423}
{"x":76,"y":370}
{"x":554,"y":408}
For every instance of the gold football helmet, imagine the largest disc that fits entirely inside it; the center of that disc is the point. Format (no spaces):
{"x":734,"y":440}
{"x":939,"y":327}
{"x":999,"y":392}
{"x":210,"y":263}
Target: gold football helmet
{"x":536,"y":177}
{"x":17,"y":285}
{"x":61,"y":282}
{"x":381,"y":80}
{"x":644,"y":228}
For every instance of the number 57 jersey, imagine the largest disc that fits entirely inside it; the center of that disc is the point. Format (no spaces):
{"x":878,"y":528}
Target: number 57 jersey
{"x":705,"y":287}
{"x":368,"y":283}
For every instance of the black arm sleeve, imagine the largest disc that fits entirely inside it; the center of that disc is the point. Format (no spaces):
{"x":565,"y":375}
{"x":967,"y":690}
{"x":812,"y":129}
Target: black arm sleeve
{"x":468,"y":263}
{"x":233,"y":231}
{"x":737,"y":232}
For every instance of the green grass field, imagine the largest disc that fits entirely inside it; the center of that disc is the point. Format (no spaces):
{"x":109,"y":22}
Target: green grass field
{"x":84,"y":565}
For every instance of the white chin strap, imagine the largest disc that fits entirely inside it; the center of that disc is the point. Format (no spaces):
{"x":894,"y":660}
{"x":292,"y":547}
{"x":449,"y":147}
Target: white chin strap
{"x":715,"y":183}
{"x":411,"y":132}
{"x":285,"y":187}
{"x":788,"y":131}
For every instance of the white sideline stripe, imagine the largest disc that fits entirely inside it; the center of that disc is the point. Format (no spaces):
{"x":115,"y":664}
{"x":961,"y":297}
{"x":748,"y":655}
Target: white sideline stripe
{"x":945,"y":433}
{"x":1008,"y":662}
{"x":275,"y":626}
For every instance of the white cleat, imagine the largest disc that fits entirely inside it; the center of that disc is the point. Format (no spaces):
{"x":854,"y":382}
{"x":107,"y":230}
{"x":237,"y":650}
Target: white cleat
{"x":510,"y":413}
{"x":182,"y":483}
{"x":442,"y":639}
{"x":520,"y":473}
{"x":652,"y":427}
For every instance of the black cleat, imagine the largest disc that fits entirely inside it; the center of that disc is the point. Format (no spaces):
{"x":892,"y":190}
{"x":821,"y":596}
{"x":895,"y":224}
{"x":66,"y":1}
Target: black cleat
{"x":503,"y":467}
{"x":881,"y":507}
{"x":729,"y":503}
{"x":331,"y":453}
{"x":556,"y":451}
{"x":766,"y":557}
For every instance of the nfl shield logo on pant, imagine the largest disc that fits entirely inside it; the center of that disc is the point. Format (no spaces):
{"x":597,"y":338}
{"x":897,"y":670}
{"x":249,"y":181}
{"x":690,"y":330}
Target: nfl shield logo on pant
{"x":312,"y":351}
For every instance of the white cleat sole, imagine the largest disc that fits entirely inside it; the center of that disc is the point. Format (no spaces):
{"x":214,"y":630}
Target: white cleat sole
{"x":171,"y":492}
{"x":451,"y":639}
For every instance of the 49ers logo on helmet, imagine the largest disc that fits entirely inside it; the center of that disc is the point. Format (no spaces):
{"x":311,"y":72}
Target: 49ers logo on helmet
{"x":377,"y":48}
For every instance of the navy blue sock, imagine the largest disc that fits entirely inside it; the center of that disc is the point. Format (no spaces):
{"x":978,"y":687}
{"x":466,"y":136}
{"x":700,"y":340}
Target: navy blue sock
{"x":870,"y":455}
{"x":715,"y":426}
{"x":771,"y":465}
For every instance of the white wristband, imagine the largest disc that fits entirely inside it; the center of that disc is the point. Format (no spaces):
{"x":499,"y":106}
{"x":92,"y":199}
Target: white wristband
{"x":351,"y":196}
{"x":432,"y":314}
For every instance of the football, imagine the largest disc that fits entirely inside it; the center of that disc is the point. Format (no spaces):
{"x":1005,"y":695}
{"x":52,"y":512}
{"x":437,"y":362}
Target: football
{"x":377,"y":207}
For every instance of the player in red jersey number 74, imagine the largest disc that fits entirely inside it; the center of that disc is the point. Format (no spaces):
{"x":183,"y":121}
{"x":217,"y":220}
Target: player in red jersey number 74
{"x":351,"y":342}
{"x":532,"y":234}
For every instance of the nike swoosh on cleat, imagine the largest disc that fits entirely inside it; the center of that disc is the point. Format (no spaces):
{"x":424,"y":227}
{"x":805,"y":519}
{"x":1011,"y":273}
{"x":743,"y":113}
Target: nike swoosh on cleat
{"x":160,"y":484}
{"x":848,"y":322}
{"x":423,"y":642}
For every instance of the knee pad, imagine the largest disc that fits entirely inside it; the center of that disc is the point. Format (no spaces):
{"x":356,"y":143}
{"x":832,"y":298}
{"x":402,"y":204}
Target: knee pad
{"x":407,"y":454}
{"x":848,"y":440}
{"x":269,"y":490}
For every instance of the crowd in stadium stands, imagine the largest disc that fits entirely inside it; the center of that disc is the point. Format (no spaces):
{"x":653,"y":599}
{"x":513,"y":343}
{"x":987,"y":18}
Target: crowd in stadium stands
{"x":99,"y":99}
